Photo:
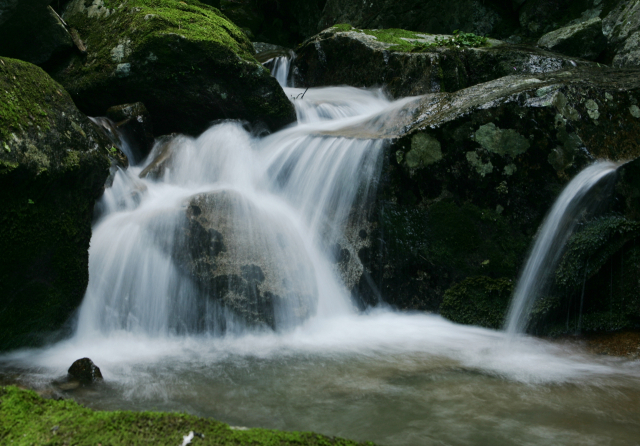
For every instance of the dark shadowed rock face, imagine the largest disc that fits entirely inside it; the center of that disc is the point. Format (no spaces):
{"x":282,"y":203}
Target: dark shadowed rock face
{"x":244,"y":262}
{"x":53,"y":165}
{"x":185,"y":61}
{"x":584,"y":40}
{"x":367,"y":58}
{"x":85,"y":371}
{"x":31,"y":31}
{"x":469,"y":175}
{"x":134,"y":123}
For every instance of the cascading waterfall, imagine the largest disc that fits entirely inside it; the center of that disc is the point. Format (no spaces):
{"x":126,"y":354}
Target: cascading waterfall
{"x":270,"y":207}
{"x":577,"y":199}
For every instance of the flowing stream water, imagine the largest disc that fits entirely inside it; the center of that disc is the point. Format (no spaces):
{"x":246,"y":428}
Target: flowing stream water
{"x":393,"y":378}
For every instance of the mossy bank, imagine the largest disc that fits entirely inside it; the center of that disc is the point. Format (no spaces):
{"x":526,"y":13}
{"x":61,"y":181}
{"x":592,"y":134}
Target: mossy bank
{"x":53,"y":164}
{"x":184,"y":60}
{"x":26,"y":419}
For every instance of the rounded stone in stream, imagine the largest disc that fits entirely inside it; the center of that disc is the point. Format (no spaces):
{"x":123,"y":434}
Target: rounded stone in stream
{"x":85,"y":371}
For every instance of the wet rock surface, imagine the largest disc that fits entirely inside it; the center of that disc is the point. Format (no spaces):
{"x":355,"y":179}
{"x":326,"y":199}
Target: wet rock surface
{"x":245,"y":262}
{"x":187,"y":63}
{"x":469,"y":175}
{"x":85,"y":371}
{"x":134,"y":123}
{"x":368,"y":58}
{"x":53,"y":165}
{"x":584,"y":40}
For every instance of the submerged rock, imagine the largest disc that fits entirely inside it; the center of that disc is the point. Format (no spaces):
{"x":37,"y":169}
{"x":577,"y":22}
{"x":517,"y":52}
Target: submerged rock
{"x":409,"y":64}
{"x":53,"y":165}
{"x":244,"y":260}
{"x":584,"y":40}
{"x":85,"y":371}
{"x":185,"y":61}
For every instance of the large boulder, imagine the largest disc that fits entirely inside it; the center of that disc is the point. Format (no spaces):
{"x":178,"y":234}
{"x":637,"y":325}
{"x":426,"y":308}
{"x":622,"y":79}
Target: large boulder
{"x":622,"y":28}
{"x":53,"y":165}
{"x":409,"y":63}
{"x":584,"y":40}
{"x":185,"y":61}
{"x":495,"y":17}
{"x":245,"y":260}
{"x":31,"y":30}
{"x":469,"y":176}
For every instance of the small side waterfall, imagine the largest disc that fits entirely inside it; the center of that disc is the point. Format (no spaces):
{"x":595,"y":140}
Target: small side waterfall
{"x":280,"y":69}
{"x":576,"y":199}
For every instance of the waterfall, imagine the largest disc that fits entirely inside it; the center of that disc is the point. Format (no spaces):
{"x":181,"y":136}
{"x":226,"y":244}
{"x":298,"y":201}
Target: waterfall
{"x":280,"y":69}
{"x":576,"y":200}
{"x":230,"y":231}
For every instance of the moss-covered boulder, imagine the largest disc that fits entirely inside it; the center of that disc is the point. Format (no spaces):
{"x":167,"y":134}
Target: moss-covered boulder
{"x":409,"y":63}
{"x":26,"y":418}
{"x":491,"y":17}
{"x":53,"y":165}
{"x":469,"y":176}
{"x":185,"y":61}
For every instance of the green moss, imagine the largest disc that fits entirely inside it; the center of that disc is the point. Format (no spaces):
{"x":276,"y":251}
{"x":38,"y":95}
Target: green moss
{"x":25,"y":92}
{"x":27,"y":419}
{"x":501,"y":141}
{"x":478,"y":300}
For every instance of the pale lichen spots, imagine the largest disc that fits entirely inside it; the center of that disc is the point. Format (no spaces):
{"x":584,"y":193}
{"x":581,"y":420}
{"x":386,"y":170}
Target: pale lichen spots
{"x":510,"y":169}
{"x":635,"y":111}
{"x":480,"y":167}
{"x":425,"y":150}
{"x":121,"y":51}
{"x":561,"y":103}
{"x":501,"y":142}
{"x":608,"y":96}
{"x":592,"y":109}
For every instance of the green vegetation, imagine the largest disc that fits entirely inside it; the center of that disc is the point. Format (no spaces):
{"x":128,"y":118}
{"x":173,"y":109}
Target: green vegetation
{"x":478,"y":300}
{"x":413,"y":42}
{"x":26,"y":419}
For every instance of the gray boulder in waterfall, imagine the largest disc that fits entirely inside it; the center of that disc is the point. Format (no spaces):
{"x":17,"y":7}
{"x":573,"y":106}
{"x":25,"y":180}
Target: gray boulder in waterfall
{"x":238,"y":257}
{"x":53,"y":165}
{"x":409,"y":63}
{"x":584,"y":40}
{"x":185,"y":61}
{"x":468,"y":177}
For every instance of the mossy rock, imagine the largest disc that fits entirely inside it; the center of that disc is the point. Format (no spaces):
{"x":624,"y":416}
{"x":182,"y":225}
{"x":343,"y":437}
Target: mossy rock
{"x":53,"y":165}
{"x":184,"y":60}
{"x":409,"y":63}
{"x":479,"y":301}
{"x":26,"y":418}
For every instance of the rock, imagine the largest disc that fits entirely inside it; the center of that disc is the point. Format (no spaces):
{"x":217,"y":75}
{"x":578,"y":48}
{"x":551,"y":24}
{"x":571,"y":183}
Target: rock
{"x":583,"y":40}
{"x":134,"y":123}
{"x":622,"y":28}
{"x":431,"y":16}
{"x":187,"y":63}
{"x":53,"y":165}
{"x":267,"y":51}
{"x":469,"y":176}
{"x":538,"y":17}
{"x":85,"y":371}
{"x":162,"y":155}
{"x":244,"y":260}
{"x":33,"y":32}
{"x":366,"y":58}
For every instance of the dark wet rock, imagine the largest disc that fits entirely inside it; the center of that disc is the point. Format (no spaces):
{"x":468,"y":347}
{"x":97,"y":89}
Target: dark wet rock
{"x":32,"y":31}
{"x":584,"y":40}
{"x":366,"y":58}
{"x":134,"y":123}
{"x":494,"y":17}
{"x":622,"y":28}
{"x":267,"y":51}
{"x":187,"y":63}
{"x":469,"y":175}
{"x":242,"y":261}
{"x":85,"y":371}
{"x":53,"y":165}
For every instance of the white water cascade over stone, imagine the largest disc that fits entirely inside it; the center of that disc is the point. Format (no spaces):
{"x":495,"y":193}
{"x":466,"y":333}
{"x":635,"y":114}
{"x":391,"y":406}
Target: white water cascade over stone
{"x":578,"y":198}
{"x":230,"y":231}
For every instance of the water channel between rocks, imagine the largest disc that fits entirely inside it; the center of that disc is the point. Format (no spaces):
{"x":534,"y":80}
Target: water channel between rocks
{"x":393,"y":378}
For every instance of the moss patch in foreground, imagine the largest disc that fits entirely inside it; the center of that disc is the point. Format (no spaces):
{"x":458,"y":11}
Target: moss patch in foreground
{"x":26,"y":418}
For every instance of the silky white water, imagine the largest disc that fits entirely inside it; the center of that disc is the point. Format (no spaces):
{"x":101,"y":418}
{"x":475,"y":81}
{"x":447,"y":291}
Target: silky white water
{"x":393,"y":378}
{"x":579,"y":197}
